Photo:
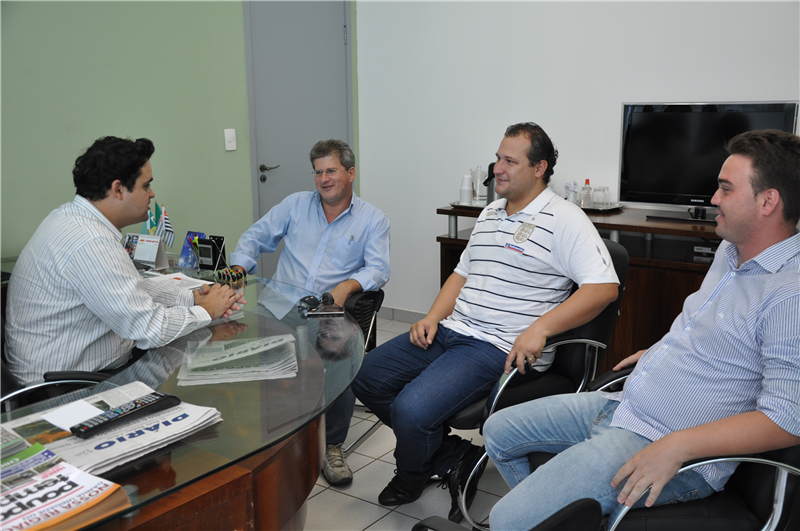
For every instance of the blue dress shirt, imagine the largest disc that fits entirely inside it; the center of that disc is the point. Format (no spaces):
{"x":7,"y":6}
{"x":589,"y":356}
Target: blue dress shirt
{"x":318,"y":256}
{"x":734,"y":348}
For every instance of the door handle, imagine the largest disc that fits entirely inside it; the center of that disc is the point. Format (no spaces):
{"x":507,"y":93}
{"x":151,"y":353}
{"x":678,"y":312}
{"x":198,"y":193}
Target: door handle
{"x":264,"y":167}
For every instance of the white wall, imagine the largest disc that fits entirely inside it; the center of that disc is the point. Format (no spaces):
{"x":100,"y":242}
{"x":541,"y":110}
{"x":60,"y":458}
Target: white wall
{"x":439,"y":83}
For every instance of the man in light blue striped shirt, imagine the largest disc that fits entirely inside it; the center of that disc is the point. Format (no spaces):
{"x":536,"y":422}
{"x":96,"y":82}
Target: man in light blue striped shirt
{"x":75,"y":299}
{"x":725,"y":379}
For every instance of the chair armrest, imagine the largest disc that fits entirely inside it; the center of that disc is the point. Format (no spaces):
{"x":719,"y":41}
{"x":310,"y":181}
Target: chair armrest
{"x":571,"y":336}
{"x":374,"y":298}
{"x":608,"y":378}
{"x":560,"y":339}
{"x":749,"y":458}
{"x":85,"y":376}
{"x":44,"y":385}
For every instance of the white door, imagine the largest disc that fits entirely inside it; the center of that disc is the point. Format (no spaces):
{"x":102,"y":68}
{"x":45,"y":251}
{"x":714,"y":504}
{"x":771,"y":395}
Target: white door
{"x":299,"y":92}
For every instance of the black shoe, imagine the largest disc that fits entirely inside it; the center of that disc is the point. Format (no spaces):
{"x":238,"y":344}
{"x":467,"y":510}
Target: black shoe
{"x":457,"y":480}
{"x":398,"y":492}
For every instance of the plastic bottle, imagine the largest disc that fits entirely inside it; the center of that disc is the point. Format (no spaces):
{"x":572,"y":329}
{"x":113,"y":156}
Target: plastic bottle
{"x":586,"y":196}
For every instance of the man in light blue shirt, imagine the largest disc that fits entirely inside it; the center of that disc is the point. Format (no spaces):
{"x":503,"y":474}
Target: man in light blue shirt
{"x":724,"y":380}
{"x":334,"y":242}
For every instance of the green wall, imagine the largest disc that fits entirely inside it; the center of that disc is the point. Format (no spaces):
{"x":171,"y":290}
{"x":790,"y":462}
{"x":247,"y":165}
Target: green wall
{"x":170,"y":71}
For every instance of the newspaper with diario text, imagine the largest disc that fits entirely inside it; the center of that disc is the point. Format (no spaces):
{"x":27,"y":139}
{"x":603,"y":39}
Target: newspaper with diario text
{"x":41,"y":491}
{"x":118,"y":445}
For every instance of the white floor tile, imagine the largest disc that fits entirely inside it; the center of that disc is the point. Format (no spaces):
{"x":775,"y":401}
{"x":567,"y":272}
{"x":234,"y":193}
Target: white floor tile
{"x":358,"y":461}
{"x":317,"y":488}
{"x":381,"y":321}
{"x":397,"y":327}
{"x":434,"y":501}
{"x":379,"y":444}
{"x":333,"y":510}
{"x":384,"y":336}
{"x":389,"y":458}
{"x":492,"y":482}
{"x":356,"y":430}
{"x":393,"y":521}
{"x":361,"y":413}
{"x":370,"y":481}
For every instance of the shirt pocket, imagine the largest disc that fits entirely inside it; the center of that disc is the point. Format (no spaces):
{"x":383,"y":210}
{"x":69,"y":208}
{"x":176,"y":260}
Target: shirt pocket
{"x":348,"y":255}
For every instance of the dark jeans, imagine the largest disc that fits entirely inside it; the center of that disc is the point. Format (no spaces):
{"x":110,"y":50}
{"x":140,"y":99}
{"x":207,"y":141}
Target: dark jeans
{"x":337,"y":418}
{"x":414,"y":391}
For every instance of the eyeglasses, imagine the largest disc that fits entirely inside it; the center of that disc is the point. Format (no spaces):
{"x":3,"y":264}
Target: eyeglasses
{"x":330,"y":172}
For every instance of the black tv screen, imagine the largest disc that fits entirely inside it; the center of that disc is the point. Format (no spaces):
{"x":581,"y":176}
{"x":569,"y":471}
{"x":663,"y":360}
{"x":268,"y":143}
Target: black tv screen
{"x":671,"y":153}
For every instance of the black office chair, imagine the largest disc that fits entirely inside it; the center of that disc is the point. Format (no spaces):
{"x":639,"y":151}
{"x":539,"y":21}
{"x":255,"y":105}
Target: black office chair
{"x":364,"y":307}
{"x":14,"y":395}
{"x":763,"y":492}
{"x":581,"y":515}
{"x":578,"y":354}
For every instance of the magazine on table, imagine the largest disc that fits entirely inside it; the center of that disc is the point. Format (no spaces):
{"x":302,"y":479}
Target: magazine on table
{"x":41,"y":491}
{"x":121,"y":444}
{"x":11,"y":443}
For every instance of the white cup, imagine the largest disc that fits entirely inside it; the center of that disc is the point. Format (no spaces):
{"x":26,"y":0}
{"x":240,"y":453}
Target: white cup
{"x":465,"y":198}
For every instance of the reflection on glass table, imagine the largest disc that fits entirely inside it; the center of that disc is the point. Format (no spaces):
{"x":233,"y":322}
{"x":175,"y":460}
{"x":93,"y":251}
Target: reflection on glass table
{"x":325,"y":354}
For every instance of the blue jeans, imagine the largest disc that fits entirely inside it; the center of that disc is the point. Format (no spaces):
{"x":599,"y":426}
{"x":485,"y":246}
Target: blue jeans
{"x":414,"y":391}
{"x":337,"y":418}
{"x":590,"y":451}
{"x":339,"y":414}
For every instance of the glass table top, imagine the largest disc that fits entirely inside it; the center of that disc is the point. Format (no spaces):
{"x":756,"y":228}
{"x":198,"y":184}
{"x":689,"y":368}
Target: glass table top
{"x":257,"y":413}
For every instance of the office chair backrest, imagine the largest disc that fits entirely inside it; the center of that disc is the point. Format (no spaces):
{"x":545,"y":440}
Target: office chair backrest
{"x":569,"y":365}
{"x":362,"y":307}
{"x":569,"y":360}
{"x":754,"y":482}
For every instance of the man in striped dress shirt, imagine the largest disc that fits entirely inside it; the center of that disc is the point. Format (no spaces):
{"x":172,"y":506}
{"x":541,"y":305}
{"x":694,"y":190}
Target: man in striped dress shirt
{"x":75,"y":299}
{"x":724,"y":380}
{"x":509,"y":292}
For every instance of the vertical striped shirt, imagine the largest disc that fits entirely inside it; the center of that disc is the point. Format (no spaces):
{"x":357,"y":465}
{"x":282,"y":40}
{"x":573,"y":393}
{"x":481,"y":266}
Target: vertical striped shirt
{"x":519,"y":267}
{"x":76,"y":302}
{"x":734,"y":348}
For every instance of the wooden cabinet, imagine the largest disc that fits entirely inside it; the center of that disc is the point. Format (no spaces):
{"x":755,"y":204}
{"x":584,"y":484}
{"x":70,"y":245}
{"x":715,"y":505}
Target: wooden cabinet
{"x":664,"y":269}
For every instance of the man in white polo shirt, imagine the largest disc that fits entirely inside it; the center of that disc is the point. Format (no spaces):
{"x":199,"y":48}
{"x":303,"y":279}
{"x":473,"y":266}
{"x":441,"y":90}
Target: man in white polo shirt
{"x":509,"y":292}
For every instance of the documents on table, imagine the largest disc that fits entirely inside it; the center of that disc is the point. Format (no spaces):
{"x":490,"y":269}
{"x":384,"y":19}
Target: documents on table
{"x":110,"y":449}
{"x":239,"y":360}
{"x":178,"y":280}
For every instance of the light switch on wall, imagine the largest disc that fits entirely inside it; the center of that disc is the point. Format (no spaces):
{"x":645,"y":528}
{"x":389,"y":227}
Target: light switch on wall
{"x":230,"y":139}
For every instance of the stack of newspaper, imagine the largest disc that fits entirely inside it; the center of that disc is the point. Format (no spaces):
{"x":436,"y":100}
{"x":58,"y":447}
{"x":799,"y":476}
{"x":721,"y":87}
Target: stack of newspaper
{"x":239,"y":360}
{"x":40,"y":491}
{"x":118,"y":445}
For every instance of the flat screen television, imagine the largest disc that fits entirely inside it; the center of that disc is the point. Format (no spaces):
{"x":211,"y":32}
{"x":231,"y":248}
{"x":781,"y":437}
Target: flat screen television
{"x":671,"y":153}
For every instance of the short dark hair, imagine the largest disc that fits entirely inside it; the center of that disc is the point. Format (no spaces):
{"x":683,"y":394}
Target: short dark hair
{"x":775,"y":156}
{"x":542,"y":147}
{"x":348,"y":347}
{"x":326,"y":148}
{"x":107,"y":160}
